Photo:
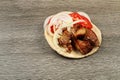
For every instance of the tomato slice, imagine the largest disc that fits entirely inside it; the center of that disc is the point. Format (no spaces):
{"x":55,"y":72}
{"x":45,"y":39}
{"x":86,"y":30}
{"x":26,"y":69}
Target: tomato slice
{"x":75,"y":16}
{"x":52,"y":29}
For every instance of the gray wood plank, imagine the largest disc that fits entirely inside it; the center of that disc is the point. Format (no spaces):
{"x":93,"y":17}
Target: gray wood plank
{"x":25,"y":54}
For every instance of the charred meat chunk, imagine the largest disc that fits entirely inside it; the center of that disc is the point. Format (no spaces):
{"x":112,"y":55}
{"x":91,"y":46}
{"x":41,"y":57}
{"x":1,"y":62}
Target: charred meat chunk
{"x":80,"y":33}
{"x":91,"y":37}
{"x":65,"y":40}
{"x":83,"y":46}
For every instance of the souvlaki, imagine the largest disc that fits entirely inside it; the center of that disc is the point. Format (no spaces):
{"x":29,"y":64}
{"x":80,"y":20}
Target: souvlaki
{"x":72,"y":34}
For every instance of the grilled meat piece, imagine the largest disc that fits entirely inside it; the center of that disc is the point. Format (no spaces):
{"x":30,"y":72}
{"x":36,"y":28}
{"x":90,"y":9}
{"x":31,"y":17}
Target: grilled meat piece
{"x":77,"y":30}
{"x":65,"y":40}
{"x":84,"y":39}
{"x":80,"y":32}
{"x":83,"y":46}
{"x":76,"y":27}
{"x":91,"y":37}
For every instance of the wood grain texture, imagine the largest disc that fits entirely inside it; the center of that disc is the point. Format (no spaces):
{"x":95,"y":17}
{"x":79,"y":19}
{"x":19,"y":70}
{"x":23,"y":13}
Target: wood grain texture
{"x":25,"y":54}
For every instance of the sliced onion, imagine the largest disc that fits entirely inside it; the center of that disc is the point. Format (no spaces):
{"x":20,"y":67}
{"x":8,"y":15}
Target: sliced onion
{"x":77,"y":21}
{"x":46,"y":21}
{"x":58,"y":15}
{"x":69,"y":27}
{"x":59,"y":20}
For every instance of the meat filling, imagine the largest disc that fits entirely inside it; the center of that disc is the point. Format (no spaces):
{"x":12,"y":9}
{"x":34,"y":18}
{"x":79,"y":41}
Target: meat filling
{"x":78,"y":38}
{"x":65,"y":40}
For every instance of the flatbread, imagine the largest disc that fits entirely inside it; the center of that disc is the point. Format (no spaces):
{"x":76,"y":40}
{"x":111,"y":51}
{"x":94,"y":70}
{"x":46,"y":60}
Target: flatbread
{"x":53,"y":42}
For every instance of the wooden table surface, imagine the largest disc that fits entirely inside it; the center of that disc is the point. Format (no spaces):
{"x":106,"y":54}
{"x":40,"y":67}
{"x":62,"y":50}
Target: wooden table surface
{"x":25,"y":54}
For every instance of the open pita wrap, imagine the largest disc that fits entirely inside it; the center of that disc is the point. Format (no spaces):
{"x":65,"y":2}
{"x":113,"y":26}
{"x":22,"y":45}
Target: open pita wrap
{"x":53,"y":42}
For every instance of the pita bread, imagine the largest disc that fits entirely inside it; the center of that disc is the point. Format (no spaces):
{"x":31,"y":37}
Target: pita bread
{"x":74,"y":54}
